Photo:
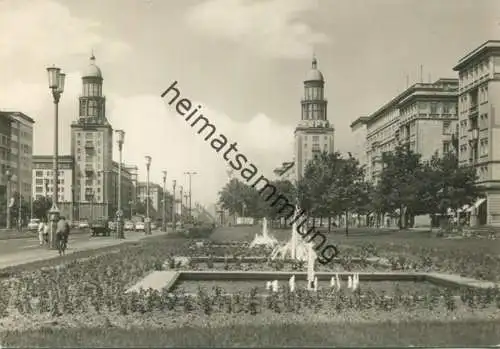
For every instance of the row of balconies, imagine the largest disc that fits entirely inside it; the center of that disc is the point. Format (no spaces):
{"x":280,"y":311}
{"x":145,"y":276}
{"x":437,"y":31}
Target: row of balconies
{"x":473,"y":83}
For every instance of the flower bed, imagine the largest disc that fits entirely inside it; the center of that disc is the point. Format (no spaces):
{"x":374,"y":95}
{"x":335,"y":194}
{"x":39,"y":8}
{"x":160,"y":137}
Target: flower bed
{"x":90,"y":292}
{"x":449,"y":257}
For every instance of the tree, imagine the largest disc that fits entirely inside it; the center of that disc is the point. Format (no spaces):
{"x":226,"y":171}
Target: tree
{"x":400,"y":185}
{"x":41,"y":207}
{"x":242,"y":199}
{"x":447,"y":185}
{"x":333,"y":185}
{"x":288,"y":190}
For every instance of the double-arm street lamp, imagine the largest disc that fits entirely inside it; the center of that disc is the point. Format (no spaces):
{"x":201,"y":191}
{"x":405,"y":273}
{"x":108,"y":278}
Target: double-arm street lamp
{"x":148,"y":219}
{"x":56,"y":85}
{"x":119,"y":213}
{"x":164,"y":206}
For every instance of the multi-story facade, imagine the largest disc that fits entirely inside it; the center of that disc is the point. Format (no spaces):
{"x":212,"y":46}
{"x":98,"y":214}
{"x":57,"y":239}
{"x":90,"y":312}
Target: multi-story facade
{"x":16,"y":151}
{"x":92,"y":147}
{"x":314,"y":134}
{"x":156,"y":195}
{"x":423,"y":117}
{"x":359,"y":130}
{"x":43,"y":181}
{"x":479,"y":125}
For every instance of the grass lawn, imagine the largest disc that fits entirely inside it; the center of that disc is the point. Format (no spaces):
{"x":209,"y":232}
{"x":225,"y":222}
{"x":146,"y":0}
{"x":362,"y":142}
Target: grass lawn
{"x":467,"y":333}
{"x":360,"y":236}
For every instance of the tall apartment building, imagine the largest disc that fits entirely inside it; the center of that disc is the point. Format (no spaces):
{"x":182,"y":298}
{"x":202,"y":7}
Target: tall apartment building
{"x":359,"y":130}
{"x":479,"y":125}
{"x":43,"y":181}
{"x":314,"y":134}
{"x":423,"y":117}
{"x":96,"y":174}
{"x":16,"y":151}
{"x":156,"y":195}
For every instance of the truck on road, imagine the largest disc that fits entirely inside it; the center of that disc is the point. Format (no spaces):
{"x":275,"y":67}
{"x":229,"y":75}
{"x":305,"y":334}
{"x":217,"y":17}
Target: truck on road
{"x":100,"y":227}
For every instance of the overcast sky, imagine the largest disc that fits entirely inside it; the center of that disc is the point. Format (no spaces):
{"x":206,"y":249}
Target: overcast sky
{"x":244,"y":61}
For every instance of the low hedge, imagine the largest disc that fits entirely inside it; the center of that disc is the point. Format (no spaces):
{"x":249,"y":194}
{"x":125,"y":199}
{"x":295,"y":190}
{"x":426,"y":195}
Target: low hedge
{"x":200,"y":232}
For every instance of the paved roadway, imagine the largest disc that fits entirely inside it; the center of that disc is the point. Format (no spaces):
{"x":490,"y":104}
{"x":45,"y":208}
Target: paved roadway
{"x":31,"y":244}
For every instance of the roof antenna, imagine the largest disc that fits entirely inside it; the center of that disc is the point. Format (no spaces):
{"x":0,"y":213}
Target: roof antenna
{"x":92,"y":57}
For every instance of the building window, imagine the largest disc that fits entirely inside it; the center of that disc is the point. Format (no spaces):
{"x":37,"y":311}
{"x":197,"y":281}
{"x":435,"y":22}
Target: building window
{"x":39,"y":173}
{"x":446,"y":108}
{"x":39,"y":189}
{"x":83,"y":108}
{"x":434,"y":108}
{"x":446,"y":147}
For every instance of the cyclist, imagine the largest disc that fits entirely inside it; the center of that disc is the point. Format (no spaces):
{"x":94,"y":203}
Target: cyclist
{"x":62,"y":234}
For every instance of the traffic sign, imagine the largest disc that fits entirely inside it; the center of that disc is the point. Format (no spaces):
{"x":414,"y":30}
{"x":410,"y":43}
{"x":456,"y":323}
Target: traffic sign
{"x":119,"y":213}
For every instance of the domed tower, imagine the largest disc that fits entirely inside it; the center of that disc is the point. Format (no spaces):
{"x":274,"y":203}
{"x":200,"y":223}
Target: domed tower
{"x":92,"y":102}
{"x":314,"y":134}
{"x":92,"y":148}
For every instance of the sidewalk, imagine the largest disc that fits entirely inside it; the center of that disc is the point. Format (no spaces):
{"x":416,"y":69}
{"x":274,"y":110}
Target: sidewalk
{"x":9,"y":234}
{"x":25,"y":257}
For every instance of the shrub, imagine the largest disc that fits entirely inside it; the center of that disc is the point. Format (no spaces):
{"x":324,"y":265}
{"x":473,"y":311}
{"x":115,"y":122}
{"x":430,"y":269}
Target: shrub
{"x":199,"y":232}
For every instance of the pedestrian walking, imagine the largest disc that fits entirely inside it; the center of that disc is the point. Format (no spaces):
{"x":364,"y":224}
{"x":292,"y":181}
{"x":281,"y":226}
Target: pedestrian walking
{"x":43,"y":231}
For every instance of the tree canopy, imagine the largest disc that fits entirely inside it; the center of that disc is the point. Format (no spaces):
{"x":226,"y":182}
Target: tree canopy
{"x":334,"y":185}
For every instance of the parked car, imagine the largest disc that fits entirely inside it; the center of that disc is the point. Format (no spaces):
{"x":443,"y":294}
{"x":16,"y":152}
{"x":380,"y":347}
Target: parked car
{"x":83,"y":224}
{"x":33,"y":224}
{"x":112,"y":225}
{"x":139,"y":226}
{"x":129,"y":225}
{"x":153,"y":226}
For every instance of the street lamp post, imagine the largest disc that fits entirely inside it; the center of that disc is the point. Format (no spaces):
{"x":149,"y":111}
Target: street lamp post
{"x":174,"y":183}
{"x":119,"y":213}
{"x":164,"y":211}
{"x":181,"y":210}
{"x":148,"y":219}
{"x":8,"y":174}
{"x":190,"y":174}
{"x":56,"y":84}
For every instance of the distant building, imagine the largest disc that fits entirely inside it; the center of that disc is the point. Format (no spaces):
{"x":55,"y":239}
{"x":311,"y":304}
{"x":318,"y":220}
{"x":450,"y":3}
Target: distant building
{"x":479,"y":130}
{"x":43,"y":177}
{"x":423,"y":117}
{"x":285,"y":172}
{"x":359,"y":130}
{"x":16,"y":151}
{"x":156,"y":195}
